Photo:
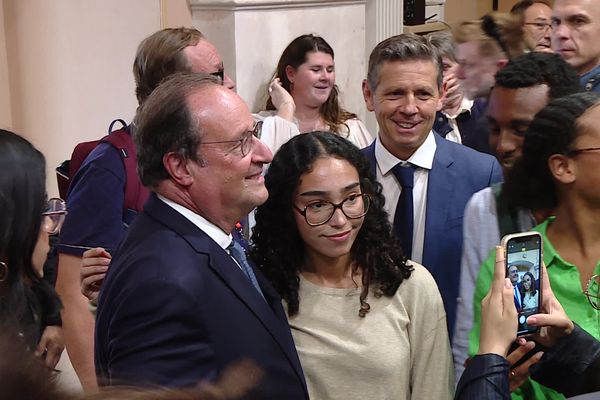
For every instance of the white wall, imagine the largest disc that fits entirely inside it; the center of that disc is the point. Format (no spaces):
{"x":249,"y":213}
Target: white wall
{"x":69,"y":66}
{"x":251,"y":36}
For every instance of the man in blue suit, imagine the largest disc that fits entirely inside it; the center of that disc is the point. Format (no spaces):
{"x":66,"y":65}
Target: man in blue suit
{"x":426,"y":179}
{"x":180,"y":301}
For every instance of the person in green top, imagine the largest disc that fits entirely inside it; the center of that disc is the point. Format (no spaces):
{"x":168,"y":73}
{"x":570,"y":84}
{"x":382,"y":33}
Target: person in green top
{"x":561,"y":148}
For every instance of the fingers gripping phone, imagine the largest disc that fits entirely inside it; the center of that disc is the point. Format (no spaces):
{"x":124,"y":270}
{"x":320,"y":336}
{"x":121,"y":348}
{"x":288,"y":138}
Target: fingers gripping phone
{"x":523,"y":258}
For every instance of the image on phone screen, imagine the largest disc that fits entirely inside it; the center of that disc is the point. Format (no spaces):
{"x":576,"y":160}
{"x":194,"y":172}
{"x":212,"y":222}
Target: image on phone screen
{"x":523,"y":258}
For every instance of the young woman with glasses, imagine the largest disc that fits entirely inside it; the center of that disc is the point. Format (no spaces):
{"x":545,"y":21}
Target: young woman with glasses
{"x":367,"y":322}
{"x":27,"y":218}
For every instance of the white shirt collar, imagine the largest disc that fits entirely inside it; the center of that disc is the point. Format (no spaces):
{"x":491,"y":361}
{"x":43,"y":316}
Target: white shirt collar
{"x":214,"y":232}
{"x":422,"y":157}
{"x":465,"y":105}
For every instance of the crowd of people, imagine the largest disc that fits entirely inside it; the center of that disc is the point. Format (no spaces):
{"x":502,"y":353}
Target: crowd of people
{"x":292,"y":254}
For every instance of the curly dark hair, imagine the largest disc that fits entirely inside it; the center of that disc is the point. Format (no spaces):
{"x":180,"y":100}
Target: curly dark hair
{"x":296,"y":54}
{"x":536,"y":68}
{"x":530,"y":184}
{"x":277,"y":246}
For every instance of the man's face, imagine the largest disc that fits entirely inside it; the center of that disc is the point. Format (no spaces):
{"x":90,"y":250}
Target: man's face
{"x":509,"y":113}
{"x":537,"y":27}
{"x":576,"y":33}
{"x":405,"y":102}
{"x":475,"y":71}
{"x":227,"y":184}
{"x":204,"y":57}
{"x":513,"y":275}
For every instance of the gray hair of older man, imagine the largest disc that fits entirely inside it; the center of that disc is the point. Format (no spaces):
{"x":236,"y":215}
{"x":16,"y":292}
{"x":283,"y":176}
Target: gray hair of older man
{"x":403,"y":47}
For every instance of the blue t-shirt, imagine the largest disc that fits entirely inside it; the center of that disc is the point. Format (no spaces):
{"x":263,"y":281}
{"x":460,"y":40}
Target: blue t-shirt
{"x":95,"y":203}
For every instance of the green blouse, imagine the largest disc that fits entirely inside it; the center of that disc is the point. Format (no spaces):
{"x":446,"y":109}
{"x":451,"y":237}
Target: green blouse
{"x":566,"y":285}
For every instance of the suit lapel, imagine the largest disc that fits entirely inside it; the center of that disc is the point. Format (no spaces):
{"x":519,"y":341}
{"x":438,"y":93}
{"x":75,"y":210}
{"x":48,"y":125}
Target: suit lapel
{"x":440,"y":191}
{"x":369,"y":152}
{"x":270,"y":313}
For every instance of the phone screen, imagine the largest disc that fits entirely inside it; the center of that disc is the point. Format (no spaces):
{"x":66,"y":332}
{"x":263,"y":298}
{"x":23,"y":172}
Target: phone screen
{"x":523,"y":268}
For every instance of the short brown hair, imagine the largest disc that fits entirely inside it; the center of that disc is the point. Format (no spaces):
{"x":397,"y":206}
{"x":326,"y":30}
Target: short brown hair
{"x":510,"y":39}
{"x":159,"y":56}
{"x":403,"y":47}
{"x":520,"y":7}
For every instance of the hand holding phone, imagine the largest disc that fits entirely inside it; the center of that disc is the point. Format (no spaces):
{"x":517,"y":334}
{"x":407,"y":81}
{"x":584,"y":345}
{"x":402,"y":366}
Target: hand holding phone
{"x":523,"y":263}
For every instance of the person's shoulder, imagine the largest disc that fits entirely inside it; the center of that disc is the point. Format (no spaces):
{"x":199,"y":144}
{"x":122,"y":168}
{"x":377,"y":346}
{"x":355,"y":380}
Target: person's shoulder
{"x":261,"y":115}
{"x":419,"y":293}
{"x":464,"y":153}
{"x":420,"y":279}
{"x":483,"y":200}
{"x":152,"y":252}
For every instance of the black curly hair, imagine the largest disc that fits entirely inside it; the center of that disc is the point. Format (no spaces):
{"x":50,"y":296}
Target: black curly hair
{"x":277,"y":247}
{"x":537,"y":68}
{"x":530,"y":184}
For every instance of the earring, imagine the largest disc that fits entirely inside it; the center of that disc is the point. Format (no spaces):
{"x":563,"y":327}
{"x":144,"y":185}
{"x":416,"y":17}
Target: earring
{"x":3,"y":271}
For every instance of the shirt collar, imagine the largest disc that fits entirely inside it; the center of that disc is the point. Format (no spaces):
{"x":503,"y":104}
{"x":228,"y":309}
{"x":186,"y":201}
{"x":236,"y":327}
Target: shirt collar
{"x":551,"y":256}
{"x":585,"y":78}
{"x":465,"y":106}
{"x":422,"y":157}
{"x":214,"y":232}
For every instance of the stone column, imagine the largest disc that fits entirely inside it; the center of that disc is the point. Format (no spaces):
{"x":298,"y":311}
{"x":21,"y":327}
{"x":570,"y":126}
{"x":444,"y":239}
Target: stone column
{"x":251,"y":35}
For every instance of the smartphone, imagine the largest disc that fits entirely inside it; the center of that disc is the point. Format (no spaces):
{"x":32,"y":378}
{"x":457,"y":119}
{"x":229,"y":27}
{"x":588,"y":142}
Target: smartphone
{"x":523,"y":257}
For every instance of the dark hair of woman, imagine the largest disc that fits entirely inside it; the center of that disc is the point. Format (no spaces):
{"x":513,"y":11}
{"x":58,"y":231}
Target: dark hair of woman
{"x":296,"y":54}
{"x":532,"y":289}
{"x":22,"y":202}
{"x":277,"y":246}
{"x":530,"y":183}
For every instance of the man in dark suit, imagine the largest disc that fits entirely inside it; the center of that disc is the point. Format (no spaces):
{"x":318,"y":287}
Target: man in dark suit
{"x":181,"y":301}
{"x":426,"y":179}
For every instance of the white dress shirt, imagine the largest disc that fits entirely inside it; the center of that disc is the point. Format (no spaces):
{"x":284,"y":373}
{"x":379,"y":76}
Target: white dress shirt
{"x":422,"y":159}
{"x":454,"y":134}
{"x":214,"y":232}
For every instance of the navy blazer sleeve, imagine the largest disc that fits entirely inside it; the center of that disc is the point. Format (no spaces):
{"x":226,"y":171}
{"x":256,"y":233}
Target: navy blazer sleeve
{"x":158,"y":337}
{"x":571,"y":367}
{"x":486,"y":377}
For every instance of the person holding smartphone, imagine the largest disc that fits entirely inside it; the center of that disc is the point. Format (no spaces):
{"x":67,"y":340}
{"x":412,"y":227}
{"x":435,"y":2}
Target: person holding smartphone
{"x":571,"y":363}
{"x":560,"y":148}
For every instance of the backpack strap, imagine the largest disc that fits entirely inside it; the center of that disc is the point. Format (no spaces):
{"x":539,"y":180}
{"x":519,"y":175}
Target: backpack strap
{"x":507,"y":214}
{"x":135,"y":193}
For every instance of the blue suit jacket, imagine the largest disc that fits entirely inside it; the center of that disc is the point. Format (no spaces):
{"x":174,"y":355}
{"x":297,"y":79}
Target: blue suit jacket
{"x":457,"y":173}
{"x":176,"y":309}
{"x":473,"y":127}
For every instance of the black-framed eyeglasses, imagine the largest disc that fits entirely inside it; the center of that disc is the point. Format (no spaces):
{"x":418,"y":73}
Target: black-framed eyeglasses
{"x":320,"y":212}
{"x":219,"y":74}
{"x":540,"y":26}
{"x":574,"y":152}
{"x":245,"y":143}
{"x":591,"y":291}
{"x":54,"y":215}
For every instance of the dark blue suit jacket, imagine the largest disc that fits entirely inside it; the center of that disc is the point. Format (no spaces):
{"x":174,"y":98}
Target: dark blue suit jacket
{"x":176,"y":309}
{"x":473,"y":127}
{"x":457,"y":173}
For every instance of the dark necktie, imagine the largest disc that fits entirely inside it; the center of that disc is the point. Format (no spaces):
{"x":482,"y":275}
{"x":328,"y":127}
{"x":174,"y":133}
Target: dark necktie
{"x":403,"y":218}
{"x":237,"y":252}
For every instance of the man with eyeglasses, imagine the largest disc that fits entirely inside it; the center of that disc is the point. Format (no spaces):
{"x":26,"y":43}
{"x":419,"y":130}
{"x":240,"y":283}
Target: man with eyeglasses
{"x":181,"y":300}
{"x":576,"y":38}
{"x":536,"y":23}
{"x":97,"y":217}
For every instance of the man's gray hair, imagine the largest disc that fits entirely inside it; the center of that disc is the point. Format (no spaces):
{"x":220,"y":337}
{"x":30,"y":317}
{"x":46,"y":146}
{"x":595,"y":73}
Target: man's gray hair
{"x":403,"y":47}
